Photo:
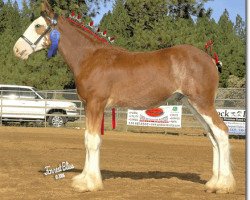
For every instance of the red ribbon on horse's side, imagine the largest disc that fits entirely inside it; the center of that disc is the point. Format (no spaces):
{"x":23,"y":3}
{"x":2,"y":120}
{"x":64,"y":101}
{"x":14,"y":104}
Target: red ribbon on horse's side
{"x":113,"y":121}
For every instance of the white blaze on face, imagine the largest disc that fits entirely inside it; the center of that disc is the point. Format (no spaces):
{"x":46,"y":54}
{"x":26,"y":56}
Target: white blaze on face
{"x":22,"y":49}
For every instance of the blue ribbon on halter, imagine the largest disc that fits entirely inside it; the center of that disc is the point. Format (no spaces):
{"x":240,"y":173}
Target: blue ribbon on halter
{"x":54,"y":38}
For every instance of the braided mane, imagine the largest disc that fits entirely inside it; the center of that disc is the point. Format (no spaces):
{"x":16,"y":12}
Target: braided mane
{"x":101,"y":36}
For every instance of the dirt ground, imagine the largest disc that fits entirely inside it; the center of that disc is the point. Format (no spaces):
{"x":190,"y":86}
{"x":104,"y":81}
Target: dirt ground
{"x":134,"y":165}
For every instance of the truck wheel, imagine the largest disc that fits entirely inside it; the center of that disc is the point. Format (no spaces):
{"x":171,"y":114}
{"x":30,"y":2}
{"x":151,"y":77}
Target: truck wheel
{"x":57,"y":121}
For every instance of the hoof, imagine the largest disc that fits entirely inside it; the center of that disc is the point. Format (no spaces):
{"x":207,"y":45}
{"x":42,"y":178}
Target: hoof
{"x":212,"y":190}
{"x":86,"y":183}
{"x":226,"y":185}
{"x":211,"y":185}
{"x":226,"y":189}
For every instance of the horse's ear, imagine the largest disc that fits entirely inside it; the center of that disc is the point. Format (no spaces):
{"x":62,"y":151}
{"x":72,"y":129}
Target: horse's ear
{"x":43,"y":14}
{"x":45,"y":6}
{"x":32,"y":17}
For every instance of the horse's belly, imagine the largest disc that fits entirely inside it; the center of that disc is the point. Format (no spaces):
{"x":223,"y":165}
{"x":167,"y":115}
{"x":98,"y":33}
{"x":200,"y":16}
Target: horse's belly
{"x":143,"y":97}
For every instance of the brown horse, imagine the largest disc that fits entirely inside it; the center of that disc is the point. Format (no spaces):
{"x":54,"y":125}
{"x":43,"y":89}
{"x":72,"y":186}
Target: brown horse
{"x":108,"y":76}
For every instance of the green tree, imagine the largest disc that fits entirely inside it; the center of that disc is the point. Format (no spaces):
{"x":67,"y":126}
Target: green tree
{"x":144,"y":16}
{"x":231,"y":49}
{"x":236,"y":82}
{"x":188,"y":8}
{"x":120,"y":30}
{"x":25,"y":14}
{"x":240,"y":28}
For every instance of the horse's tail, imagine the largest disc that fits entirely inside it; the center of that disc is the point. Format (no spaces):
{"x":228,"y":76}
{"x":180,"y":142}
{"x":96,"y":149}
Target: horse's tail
{"x":217,"y":62}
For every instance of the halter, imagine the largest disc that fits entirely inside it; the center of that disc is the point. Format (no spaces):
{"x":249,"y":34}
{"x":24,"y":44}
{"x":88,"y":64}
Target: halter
{"x":33,"y":45}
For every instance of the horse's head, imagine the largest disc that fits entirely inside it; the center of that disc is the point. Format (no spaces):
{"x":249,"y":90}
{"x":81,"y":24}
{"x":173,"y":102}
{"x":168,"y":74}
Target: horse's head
{"x":35,"y":36}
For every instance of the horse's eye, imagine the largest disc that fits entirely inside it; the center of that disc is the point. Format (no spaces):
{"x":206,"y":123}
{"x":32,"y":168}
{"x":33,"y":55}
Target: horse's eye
{"x":37,"y":25}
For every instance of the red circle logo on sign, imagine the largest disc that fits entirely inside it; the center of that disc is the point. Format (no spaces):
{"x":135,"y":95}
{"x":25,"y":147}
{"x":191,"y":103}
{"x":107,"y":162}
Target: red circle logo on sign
{"x":154,"y":112}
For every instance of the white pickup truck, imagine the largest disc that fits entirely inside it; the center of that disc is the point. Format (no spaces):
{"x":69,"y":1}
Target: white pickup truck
{"x":25,"y":103}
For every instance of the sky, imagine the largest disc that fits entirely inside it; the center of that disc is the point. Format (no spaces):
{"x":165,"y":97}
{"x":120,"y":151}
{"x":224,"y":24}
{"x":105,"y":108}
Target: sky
{"x":234,"y":7}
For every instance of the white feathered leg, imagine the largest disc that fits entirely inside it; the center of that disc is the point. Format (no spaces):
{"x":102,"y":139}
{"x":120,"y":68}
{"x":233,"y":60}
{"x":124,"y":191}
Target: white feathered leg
{"x":90,"y":179}
{"x":226,"y":181}
{"x":211,"y":184}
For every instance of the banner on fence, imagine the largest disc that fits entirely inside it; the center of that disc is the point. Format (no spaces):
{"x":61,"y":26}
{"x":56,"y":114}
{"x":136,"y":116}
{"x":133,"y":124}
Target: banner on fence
{"x":235,"y":120}
{"x":164,"y":116}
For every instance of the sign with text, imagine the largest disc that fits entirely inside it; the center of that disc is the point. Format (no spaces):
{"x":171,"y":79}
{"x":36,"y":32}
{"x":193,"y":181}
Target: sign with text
{"x":235,"y":120}
{"x":164,"y":116}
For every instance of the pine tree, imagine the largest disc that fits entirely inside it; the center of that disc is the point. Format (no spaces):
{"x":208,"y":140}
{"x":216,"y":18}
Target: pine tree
{"x":26,"y":14}
{"x":120,"y":30}
{"x":186,"y":9}
{"x":240,"y":28}
{"x":1,"y":16}
{"x":231,"y":49}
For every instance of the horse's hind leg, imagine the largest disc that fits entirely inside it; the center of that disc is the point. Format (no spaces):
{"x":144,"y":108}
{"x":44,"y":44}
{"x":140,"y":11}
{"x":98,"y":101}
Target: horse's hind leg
{"x":222,"y":180}
{"x":210,"y":185}
{"x":226,"y":182}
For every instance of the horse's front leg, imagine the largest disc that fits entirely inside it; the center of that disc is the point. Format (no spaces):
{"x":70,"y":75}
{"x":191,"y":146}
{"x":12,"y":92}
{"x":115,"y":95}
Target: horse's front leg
{"x":90,"y":179}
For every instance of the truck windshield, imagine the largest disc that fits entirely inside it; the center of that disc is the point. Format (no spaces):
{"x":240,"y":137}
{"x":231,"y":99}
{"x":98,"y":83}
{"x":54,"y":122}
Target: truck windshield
{"x":41,"y":94}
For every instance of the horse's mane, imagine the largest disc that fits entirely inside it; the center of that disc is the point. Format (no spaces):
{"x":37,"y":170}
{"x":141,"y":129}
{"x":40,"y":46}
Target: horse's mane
{"x":93,"y":36}
{"x":88,"y":32}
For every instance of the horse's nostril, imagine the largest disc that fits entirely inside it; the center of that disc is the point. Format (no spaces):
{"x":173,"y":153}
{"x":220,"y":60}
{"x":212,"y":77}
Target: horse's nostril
{"x":22,"y":52}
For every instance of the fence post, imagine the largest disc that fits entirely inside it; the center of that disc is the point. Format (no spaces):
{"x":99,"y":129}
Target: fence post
{"x":45,"y":111}
{"x":81,"y":111}
{"x":1,"y":95}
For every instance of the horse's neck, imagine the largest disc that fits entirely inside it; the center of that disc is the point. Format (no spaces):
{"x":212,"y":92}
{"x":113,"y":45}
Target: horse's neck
{"x":75,"y":46}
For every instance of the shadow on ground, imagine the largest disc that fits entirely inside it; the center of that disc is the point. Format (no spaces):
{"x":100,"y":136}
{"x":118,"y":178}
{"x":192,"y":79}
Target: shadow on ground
{"x":108,"y":174}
